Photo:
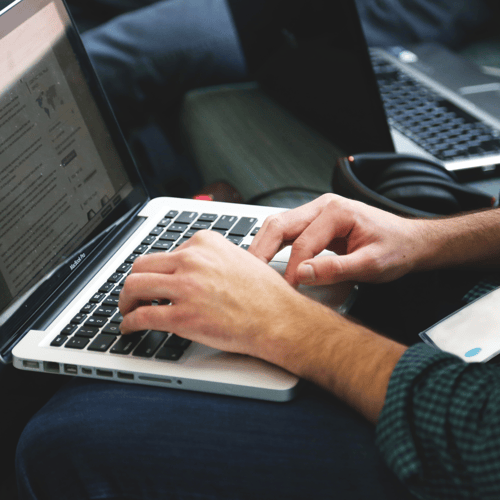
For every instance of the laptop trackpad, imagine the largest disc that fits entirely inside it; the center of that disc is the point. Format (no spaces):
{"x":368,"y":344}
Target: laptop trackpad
{"x":340,"y":296}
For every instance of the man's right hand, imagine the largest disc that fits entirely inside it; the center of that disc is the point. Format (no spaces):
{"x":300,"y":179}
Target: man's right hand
{"x":370,"y":245}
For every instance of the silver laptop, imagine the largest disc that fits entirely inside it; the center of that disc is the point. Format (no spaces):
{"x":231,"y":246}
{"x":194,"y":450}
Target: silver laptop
{"x":441,"y":106}
{"x":74,"y":216}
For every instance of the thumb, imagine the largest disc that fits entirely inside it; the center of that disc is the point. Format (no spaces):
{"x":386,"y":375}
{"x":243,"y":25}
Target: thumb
{"x":327,"y":270}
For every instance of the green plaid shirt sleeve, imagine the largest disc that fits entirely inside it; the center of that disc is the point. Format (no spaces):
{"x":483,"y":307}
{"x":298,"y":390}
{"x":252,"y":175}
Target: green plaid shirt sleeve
{"x":439,"y":430}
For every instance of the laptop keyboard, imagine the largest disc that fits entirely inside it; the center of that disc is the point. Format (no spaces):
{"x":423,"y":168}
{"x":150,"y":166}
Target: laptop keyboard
{"x":434,"y":123}
{"x":97,"y":326}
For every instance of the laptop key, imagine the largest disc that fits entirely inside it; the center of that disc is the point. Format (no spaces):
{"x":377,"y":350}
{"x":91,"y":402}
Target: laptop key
{"x":191,"y":232}
{"x":97,"y":297}
{"x":117,"y":318}
{"x":225,"y":222}
{"x":235,"y":239}
{"x":186,"y":218}
{"x":164,"y":222}
{"x":162,"y":245}
{"x":87,"y":331}
{"x":243,"y":226}
{"x":169,"y":236}
{"x":141,"y":249}
{"x":177,"y":228}
{"x":148,"y":240}
{"x":77,"y":343}
{"x":178,"y":342}
{"x":169,"y":353}
{"x":156,"y":231}
{"x":59,"y":341}
{"x":112,"y":329}
{"x":115,"y":278}
{"x":200,"y":225}
{"x":106,"y":287}
{"x":102,"y":342}
{"x":111,"y":301}
{"x":68,"y":329}
{"x":124,"y":268}
{"x":88,"y":308}
{"x":132,"y":258}
{"x":172,"y":214}
{"x":126,"y":343}
{"x":79,"y":319}
{"x":155,"y":250}
{"x":207,"y":218}
{"x":150,"y":344}
{"x":106,"y":311}
{"x":96,"y":321}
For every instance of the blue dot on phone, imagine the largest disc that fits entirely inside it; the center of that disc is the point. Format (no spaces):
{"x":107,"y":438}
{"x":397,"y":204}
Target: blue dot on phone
{"x":473,"y":352}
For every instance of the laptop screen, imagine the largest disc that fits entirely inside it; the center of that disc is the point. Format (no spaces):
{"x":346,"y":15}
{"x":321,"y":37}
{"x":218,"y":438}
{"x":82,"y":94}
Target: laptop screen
{"x":311,"y":56}
{"x":64,"y":178}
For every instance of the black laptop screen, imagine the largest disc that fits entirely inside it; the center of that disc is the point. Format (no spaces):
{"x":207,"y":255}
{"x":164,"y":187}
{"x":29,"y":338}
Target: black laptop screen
{"x":311,"y":56}
{"x":62,"y":178}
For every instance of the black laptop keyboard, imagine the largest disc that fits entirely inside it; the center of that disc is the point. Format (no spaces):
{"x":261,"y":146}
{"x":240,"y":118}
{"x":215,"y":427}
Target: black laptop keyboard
{"x":434,"y":123}
{"x":97,"y":326}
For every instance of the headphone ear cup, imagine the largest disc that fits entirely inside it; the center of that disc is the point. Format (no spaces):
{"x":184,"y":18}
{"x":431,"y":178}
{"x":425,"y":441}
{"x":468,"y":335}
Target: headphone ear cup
{"x":433,"y":199}
{"x":411,"y":186}
{"x":411,"y":169}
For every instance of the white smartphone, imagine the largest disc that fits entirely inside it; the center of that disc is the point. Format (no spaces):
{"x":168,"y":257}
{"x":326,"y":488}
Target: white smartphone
{"x":472,"y":332}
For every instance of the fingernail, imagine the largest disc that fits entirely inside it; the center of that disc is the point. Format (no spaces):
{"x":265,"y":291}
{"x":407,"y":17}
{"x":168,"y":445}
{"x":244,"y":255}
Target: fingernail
{"x":306,"y":273}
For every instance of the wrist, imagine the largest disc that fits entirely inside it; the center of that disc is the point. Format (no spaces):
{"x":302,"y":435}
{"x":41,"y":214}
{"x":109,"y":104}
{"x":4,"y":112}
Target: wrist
{"x":294,"y":333}
{"x":345,"y":358}
{"x":428,"y":238}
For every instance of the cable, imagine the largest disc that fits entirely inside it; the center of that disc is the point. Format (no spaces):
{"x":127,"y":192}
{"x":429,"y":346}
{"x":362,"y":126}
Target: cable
{"x":254,"y":199}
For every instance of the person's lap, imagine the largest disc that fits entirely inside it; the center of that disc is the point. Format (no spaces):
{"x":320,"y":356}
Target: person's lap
{"x":107,"y":440}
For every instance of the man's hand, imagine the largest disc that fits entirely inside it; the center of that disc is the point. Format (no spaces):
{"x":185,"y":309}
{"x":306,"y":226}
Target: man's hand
{"x":371,"y":245}
{"x":221,"y":295}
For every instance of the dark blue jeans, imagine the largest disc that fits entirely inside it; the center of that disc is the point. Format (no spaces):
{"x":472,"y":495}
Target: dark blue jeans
{"x":104,"y":440}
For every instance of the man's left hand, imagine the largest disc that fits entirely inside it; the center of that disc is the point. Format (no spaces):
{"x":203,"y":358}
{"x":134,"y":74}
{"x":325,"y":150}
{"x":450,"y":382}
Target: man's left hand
{"x":220,"y":295}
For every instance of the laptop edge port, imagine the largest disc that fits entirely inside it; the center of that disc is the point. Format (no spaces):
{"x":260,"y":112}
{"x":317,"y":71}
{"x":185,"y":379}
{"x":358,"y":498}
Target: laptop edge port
{"x":31,"y":364}
{"x":51,"y":366}
{"x":71,"y":369}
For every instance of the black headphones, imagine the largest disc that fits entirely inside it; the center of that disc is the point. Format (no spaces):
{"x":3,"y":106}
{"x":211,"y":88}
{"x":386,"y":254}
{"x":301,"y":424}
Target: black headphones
{"x":405,"y":185}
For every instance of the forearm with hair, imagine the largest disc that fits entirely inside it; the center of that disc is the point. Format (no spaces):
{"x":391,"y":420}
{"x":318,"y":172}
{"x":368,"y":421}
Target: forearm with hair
{"x":321,"y":346}
{"x":470,"y":240}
